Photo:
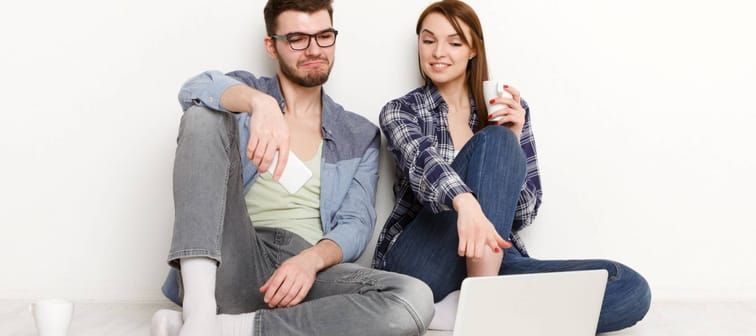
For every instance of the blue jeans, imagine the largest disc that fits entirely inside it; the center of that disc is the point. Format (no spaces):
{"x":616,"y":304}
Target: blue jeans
{"x":493,"y":166}
{"x":212,"y":221}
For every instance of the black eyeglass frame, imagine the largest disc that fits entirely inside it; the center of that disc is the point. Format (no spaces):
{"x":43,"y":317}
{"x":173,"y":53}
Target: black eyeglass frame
{"x":290,"y":36}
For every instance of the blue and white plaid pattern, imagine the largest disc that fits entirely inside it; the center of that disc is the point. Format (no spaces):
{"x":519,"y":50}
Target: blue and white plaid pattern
{"x":419,"y":139}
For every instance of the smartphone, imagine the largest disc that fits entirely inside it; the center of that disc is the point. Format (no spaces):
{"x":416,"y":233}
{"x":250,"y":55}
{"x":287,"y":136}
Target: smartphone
{"x":294,"y":175}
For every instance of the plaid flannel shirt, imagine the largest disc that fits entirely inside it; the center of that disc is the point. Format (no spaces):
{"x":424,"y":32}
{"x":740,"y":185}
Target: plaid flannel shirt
{"x":418,"y":136}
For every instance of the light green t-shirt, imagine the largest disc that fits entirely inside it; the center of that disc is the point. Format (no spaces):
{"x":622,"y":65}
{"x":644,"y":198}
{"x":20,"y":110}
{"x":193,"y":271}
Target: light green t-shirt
{"x":270,"y":205}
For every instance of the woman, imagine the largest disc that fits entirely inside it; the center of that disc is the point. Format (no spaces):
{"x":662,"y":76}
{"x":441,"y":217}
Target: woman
{"x":466,"y":183}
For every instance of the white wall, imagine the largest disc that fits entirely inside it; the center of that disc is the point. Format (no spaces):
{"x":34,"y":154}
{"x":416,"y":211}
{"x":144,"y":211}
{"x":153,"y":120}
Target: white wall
{"x":642,"y":111}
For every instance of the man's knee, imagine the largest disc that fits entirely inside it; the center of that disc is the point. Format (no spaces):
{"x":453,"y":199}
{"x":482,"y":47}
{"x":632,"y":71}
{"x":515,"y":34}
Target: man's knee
{"x":417,"y":299}
{"x":198,"y":119}
{"x":200,"y":126}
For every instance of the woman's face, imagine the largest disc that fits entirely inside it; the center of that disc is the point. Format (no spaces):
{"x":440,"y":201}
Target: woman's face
{"x":443,"y":53}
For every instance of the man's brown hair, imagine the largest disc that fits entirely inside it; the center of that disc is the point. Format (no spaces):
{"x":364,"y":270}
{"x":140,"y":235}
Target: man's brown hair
{"x":274,"y":8}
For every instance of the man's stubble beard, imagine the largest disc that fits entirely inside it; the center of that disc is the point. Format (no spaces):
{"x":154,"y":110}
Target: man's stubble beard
{"x":309,"y":79}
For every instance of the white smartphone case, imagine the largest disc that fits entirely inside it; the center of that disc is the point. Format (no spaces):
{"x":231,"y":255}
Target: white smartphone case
{"x":295,"y":174}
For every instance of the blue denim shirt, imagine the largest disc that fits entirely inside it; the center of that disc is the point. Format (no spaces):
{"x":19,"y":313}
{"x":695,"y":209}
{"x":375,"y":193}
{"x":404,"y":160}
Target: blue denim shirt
{"x":349,"y":163}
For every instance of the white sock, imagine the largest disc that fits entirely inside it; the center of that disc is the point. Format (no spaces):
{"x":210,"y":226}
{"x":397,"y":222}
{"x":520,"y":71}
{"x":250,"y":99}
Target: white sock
{"x":198,"y":277}
{"x":199,"y":317}
{"x":169,"y":322}
{"x":236,"y":325}
{"x":446,"y":312}
{"x":166,"y":323}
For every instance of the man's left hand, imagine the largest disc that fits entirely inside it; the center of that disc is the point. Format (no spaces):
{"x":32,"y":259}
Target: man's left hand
{"x":291,"y":282}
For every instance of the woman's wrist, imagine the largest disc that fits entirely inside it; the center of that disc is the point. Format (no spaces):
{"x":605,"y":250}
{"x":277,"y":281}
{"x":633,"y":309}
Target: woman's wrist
{"x":464,"y":201}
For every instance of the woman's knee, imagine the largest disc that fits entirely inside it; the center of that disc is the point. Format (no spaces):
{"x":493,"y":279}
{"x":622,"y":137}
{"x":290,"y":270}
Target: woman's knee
{"x":502,"y":142}
{"x":500,"y":135}
{"x":627,"y":299}
{"x":637,"y":287}
{"x":641,"y":291}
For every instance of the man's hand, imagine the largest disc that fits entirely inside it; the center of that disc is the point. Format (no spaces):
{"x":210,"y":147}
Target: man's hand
{"x":475,"y":231}
{"x":291,"y":282}
{"x":268,"y":131}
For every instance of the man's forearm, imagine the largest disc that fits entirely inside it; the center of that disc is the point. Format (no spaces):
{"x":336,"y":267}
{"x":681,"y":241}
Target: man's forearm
{"x":239,"y":98}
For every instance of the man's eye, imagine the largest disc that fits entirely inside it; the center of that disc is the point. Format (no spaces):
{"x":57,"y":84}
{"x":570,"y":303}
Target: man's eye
{"x":296,"y":38}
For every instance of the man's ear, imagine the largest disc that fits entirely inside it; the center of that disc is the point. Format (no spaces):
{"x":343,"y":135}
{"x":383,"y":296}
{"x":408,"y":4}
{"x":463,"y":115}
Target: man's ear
{"x":270,"y":47}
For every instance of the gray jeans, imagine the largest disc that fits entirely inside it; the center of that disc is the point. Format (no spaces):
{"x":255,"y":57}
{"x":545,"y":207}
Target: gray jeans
{"x":212,"y":221}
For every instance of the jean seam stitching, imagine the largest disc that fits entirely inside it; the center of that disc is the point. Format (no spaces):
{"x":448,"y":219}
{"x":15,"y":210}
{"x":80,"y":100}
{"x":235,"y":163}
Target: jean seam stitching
{"x":224,"y":199}
{"x":220,"y":226}
{"x":415,"y":316}
{"x":257,"y":324}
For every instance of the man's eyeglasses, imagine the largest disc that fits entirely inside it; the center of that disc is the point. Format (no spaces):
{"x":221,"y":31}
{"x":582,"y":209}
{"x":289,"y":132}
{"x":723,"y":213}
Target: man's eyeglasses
{"x":301,"y":41}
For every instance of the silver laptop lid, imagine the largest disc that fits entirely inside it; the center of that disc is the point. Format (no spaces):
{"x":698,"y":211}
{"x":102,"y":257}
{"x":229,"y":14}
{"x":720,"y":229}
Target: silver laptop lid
{"x":559,"y":303}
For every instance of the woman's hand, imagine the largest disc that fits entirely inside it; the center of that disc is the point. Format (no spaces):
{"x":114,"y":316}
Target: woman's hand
{"x":512,"y":116}
{"x":475,"y":231}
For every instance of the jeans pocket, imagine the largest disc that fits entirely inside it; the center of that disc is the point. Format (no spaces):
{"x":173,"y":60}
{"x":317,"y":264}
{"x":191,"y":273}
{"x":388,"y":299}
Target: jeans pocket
{"x":281,"y":244}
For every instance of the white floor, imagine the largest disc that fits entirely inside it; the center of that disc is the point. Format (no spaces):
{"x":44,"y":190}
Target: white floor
{"x":703,"y":318}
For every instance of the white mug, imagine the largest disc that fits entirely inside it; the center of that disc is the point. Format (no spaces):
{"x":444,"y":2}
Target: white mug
{"x":52,"y":316}
{"x":491,"y":90}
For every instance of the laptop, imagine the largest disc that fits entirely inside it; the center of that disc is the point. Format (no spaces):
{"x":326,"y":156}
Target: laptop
{"x":548,"y":304}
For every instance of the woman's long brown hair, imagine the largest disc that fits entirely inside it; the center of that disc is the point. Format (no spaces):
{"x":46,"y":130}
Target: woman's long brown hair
{"x":477,"y":68}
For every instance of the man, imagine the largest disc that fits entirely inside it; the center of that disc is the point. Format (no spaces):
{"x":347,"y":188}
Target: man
{"x":269,"y":260}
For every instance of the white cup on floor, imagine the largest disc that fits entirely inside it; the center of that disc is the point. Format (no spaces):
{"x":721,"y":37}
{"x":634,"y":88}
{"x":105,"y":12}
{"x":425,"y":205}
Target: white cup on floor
{"x":491,"y":90}
{"x":52,"y":316}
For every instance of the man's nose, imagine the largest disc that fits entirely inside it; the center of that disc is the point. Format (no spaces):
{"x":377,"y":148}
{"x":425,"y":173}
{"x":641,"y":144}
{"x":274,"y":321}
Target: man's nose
{"x":313,"y":48}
